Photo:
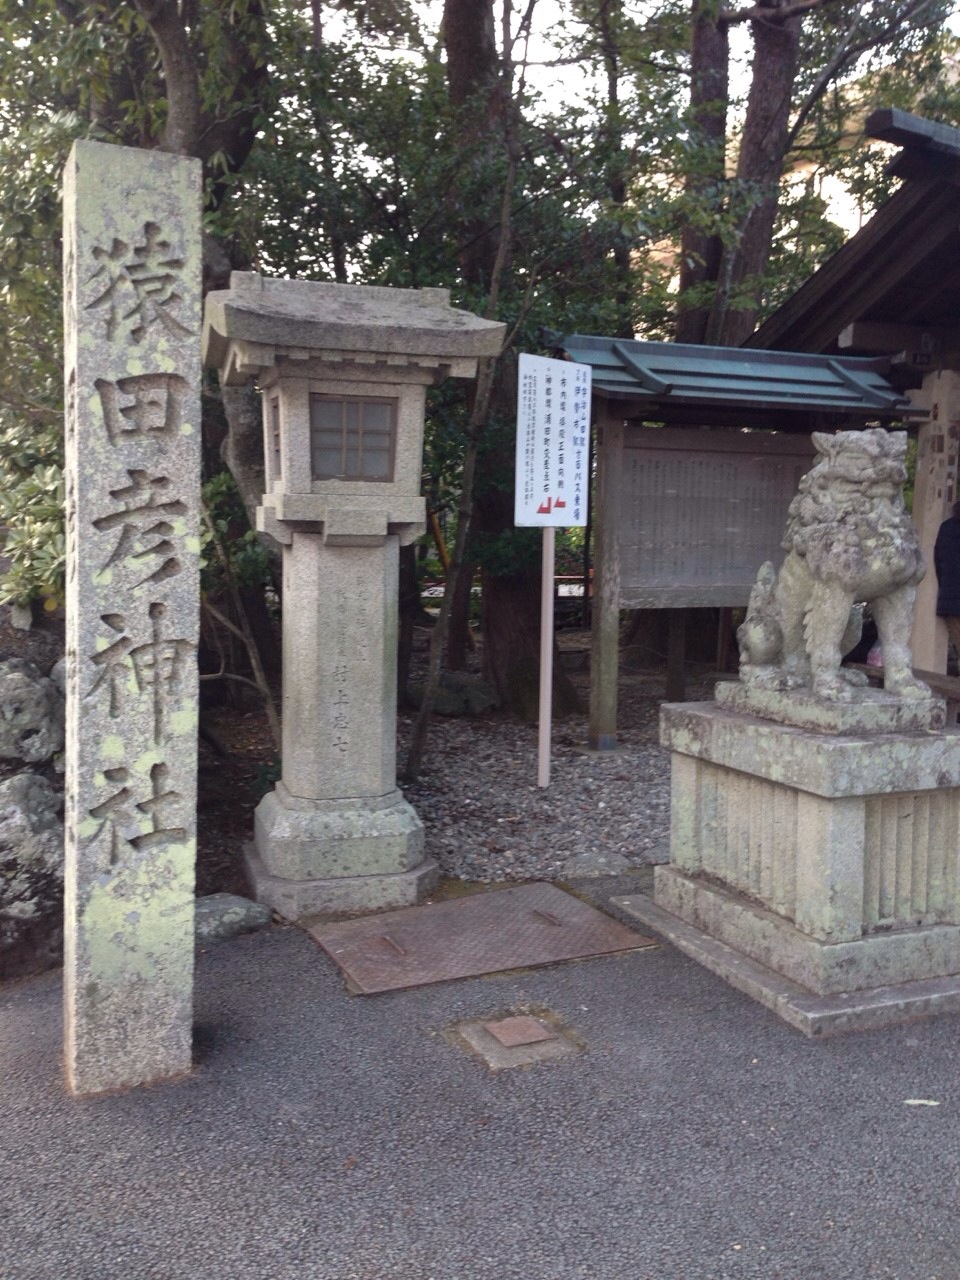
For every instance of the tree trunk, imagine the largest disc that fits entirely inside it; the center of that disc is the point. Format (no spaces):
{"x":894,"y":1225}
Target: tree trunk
{"x":759,"y":169}
{"x":511,"y":617}
{"x":511,"y":648}
{"x":242,"y":450}
{"x":458,"y":635}
{"x":701,"y":246}
{"x":470,"y":43}
{"x":226,"y":134}
{"x":481,"y":89}
{"x":474,"y":90}
{"x":181,"y":134}
{"x":617,"y":166}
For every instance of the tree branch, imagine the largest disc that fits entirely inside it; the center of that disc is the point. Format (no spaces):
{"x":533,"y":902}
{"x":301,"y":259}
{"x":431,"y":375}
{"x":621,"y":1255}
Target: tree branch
{"x":846,"y":53}
{"x":478,"y":417}
{"x":231,"y":675}
{"x":244,"y":630}
{"x":912,"y":11}
{"x":836,"y":62}
{"x":770,"y":13}
{"x":181,"y":135}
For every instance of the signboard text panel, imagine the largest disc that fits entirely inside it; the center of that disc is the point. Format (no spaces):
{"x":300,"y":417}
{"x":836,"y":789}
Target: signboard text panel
{"x":701,"y":511}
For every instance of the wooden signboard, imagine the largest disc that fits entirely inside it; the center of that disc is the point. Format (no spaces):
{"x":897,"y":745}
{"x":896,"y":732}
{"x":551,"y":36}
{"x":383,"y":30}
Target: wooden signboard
{"x":700,"y":511}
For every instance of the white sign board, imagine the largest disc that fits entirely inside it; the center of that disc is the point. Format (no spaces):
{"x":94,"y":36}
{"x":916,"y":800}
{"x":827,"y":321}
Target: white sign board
{"x":553,"y":443}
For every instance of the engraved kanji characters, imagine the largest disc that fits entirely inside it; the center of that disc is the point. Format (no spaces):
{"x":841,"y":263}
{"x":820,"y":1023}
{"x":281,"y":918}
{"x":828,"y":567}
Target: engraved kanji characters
{"x":340,"y":701}
{"x":340,"y":718}
{"x":143,"y":532}
{"x":156,"y":409}
{"x":140,"y":285}
{"x":138,"y":823}
{"x":155,"y":666}
{"x":144,"y":665}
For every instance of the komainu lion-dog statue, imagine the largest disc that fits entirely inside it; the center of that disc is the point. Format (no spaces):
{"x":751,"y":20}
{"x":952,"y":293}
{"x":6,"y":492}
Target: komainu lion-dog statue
{"x":849,"y":539}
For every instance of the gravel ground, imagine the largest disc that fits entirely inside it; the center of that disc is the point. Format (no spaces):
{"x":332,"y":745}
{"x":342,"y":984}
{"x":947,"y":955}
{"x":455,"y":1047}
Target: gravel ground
{"x":487,"y":820}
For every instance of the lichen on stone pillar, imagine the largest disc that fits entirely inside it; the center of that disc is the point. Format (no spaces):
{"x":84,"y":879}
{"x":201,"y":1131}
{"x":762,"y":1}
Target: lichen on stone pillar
{"x":132,"y":357}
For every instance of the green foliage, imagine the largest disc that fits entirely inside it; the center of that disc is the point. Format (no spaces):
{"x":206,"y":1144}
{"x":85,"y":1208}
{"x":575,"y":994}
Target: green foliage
{"x":227,"y":530}
{"x":509,"y":553}
{"x":362,"y":172}
{"x":31,"y":508}
{"x":266,"y":776}
{"x":98,"y":76}
{"x":569,"y":551}
{"x":910,"y":483}
{"x":803,"y":238}
{"x":347,"y":180}
{"x":31,"y":369}
{"x":907,"y":64}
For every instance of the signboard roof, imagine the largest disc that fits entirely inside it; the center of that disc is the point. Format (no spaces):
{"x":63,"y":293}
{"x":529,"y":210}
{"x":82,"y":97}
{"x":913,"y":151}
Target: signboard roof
{"x":670,"y":379}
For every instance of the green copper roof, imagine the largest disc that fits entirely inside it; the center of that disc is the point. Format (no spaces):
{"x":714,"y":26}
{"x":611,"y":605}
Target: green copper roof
{"x":673,"y":379}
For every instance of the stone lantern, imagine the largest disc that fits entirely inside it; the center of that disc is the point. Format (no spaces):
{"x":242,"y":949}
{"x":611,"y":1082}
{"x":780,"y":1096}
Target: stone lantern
{"x":342,"y":371}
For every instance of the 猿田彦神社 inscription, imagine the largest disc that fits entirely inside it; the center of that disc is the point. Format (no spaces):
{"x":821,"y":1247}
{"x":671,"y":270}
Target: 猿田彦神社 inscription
{"x":132,"y":322}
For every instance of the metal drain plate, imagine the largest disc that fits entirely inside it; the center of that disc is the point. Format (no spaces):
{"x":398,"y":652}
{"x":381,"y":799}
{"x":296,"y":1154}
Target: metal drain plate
{"x":533,"y":924}
{"x":501,"y":1044}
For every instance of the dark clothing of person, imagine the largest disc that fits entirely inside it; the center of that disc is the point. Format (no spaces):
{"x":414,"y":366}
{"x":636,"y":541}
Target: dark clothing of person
{"x":946,"y":561}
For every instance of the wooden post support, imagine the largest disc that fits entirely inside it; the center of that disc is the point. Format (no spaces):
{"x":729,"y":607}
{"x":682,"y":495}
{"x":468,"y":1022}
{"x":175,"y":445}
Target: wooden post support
{"x":935,"y":491}
{"x":676,"y":656}
{"x":605,"y":639}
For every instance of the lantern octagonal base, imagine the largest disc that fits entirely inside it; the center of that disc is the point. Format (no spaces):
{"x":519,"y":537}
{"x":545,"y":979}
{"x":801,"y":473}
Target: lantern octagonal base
{"x":331,"y":856}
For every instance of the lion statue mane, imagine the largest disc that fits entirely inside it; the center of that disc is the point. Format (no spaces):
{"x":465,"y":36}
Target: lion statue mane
{"x":849,"y":540}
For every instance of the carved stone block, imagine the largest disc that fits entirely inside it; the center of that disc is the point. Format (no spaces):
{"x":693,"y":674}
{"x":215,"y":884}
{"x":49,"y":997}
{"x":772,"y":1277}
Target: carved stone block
{"x":132,"y":318}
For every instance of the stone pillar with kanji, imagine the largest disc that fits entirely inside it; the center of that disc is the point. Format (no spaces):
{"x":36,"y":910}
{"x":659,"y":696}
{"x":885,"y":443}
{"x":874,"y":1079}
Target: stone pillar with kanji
{"x":343,"y":372}
{"x":132,"y":363}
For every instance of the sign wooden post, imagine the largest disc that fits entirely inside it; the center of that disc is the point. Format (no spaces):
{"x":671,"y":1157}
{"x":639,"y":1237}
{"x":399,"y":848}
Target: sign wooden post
{"x":548,"y":556}
{"x":552,"y":488}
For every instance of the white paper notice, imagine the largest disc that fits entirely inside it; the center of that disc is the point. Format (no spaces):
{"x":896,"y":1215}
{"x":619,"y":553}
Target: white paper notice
{"x":553,"y":443}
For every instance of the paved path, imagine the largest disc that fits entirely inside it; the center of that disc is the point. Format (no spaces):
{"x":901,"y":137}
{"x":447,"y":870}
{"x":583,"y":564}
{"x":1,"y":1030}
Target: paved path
{"x":330,"y":1137}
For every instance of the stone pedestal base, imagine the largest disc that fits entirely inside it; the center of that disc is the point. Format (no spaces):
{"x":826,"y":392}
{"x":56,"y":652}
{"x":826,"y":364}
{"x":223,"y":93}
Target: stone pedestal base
{"x":817,"y":871}
{"x":312,"y":857}
{"x":825,"y":968}
{"x":813,"y":1014}
{"x":873,"y":711}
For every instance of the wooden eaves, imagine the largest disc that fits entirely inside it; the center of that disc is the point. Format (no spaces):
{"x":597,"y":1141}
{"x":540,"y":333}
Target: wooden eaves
{"x":901,"y":270}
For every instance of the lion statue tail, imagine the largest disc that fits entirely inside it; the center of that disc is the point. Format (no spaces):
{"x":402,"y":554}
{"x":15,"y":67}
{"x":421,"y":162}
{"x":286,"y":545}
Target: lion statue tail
{"x":759,"y":636}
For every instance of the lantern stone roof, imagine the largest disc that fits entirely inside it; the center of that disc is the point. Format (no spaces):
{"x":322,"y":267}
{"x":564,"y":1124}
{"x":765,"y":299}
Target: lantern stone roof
{"x":687,"y":384}
{"x":303,"y":318}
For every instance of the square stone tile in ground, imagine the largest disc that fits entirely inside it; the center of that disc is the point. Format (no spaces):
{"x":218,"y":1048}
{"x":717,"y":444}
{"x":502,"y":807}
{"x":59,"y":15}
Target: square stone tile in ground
{"x":519,"y":1029}
{"x":554,"y":1041}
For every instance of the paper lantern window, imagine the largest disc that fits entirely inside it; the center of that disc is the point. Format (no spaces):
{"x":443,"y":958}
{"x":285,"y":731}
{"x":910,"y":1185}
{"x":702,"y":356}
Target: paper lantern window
{"x":352,"y":437}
